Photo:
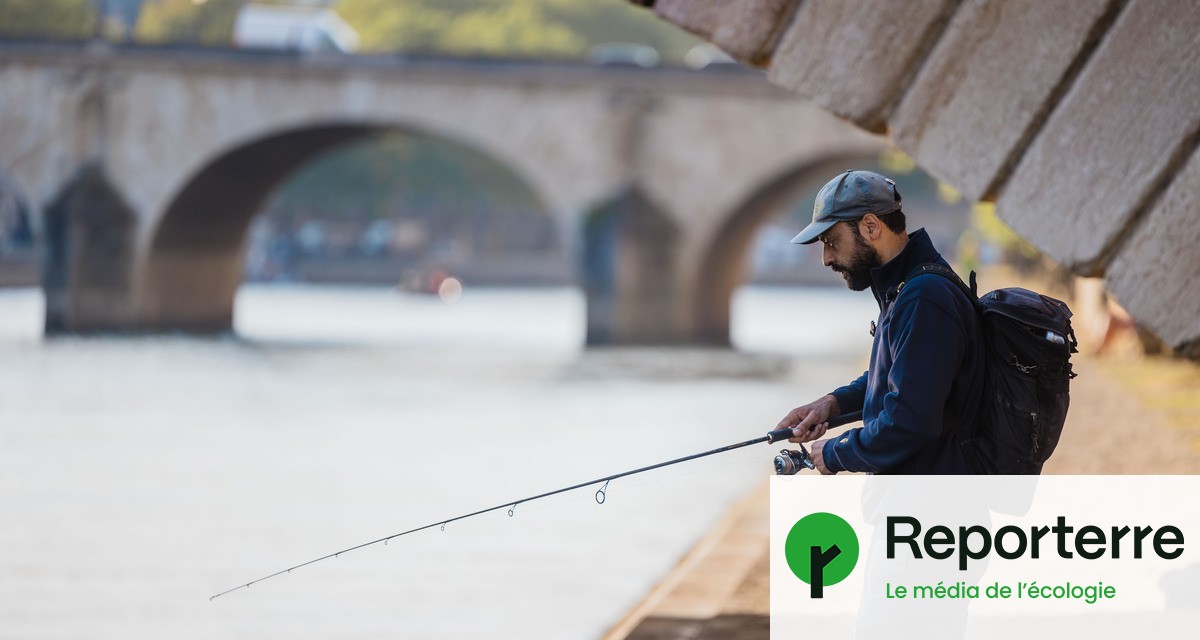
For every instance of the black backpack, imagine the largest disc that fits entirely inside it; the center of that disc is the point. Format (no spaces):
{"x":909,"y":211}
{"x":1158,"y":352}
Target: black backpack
{"x":1028,"y":342}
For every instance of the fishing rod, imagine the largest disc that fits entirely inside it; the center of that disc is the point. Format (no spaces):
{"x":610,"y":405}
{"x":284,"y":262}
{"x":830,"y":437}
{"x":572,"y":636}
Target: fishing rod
{"x":787,"y":463}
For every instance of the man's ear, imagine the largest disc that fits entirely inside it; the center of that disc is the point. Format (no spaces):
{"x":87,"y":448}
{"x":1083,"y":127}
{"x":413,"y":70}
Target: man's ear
{"x":874,"y":226}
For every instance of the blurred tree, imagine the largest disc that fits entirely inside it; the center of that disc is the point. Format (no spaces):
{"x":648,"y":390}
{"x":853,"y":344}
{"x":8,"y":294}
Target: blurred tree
{"x":403,"y":172}
{"x":47,"y":18}
{"x":398,"y":24}
{"x":600,"y":21}
{"x":549,"y":28}
{"x":990,"y":227}
{"x":518,"y":28}
{"x":208,"y":22}
{"x":461,"y":27}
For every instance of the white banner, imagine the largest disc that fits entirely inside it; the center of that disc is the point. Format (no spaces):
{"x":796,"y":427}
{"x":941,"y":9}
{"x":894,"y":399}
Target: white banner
{"x":985,"y":557}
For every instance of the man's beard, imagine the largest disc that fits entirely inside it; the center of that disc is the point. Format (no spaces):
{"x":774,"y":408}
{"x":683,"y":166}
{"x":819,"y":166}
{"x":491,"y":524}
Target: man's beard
{"x":857,"y":272}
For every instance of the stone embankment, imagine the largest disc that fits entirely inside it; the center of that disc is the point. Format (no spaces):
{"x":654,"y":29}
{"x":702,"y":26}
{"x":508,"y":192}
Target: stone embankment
{"x":1079,"y":119}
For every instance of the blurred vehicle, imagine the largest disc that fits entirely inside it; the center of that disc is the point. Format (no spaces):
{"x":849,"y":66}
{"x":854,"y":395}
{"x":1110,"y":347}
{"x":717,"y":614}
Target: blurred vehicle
{"x":431,"y":281}
{"x":293,"y":28}
{"x":707,"y":54}
{"x":623,"y":53}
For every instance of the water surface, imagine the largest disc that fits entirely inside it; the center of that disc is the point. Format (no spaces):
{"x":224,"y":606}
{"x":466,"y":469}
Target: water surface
{"x":139,"y":476}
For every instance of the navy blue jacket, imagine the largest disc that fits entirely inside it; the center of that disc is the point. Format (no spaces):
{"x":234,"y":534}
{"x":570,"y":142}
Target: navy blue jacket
{"x":925,"y":379}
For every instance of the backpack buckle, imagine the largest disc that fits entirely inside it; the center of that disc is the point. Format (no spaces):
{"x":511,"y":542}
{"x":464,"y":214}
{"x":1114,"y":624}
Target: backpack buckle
{"x":1012,"y":359}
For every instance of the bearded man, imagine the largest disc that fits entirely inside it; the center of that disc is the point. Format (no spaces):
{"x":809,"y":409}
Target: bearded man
{"x":920,"y":396}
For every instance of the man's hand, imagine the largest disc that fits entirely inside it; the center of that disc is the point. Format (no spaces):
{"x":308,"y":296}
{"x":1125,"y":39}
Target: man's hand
{"x":810,"y":421}
{"x":818,"y":457}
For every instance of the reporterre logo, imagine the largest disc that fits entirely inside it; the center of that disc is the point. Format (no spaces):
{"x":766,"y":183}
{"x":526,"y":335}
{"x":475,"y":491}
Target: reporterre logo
{"x":822,"y":550}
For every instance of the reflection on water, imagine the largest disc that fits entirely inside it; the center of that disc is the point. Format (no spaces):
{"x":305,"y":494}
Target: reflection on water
{"x":140,"y":476}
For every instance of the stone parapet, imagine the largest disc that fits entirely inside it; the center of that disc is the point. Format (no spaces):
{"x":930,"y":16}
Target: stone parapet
{"x":963,"y":118}
{"x":1157,"y":267}
{"x":746,"y":30}
{"x":1115,"y":139}
{"x":855,"y":57}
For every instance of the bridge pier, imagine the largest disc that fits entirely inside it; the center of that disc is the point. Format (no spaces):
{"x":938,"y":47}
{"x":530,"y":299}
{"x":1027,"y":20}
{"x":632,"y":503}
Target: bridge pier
{"x":630,"y":262}
{"x":90,"y":236}
{"x":191,"y":291}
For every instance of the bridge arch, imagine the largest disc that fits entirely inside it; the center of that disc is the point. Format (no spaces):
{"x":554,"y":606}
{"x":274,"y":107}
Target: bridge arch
{"x":193,"y":260}
{"x":723,"y":265}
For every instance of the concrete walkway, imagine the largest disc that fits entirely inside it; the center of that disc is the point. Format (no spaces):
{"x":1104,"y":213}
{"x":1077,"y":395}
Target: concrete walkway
{"x":719,"y":590}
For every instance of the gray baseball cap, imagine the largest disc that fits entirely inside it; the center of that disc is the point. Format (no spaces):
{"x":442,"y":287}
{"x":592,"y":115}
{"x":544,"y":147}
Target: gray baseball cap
{"x":850,"y":196}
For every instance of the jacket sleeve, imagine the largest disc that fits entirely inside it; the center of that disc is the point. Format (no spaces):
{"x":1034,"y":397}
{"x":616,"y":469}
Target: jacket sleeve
{"x":850,"y":397}
{"x":927,"y":344}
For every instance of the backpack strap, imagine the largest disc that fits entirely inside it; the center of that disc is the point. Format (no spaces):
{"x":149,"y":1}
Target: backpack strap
{"x":971,"y":291}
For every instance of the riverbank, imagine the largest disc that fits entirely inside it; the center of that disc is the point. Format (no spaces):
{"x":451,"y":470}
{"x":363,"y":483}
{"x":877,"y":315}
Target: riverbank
{"x":1128,"y":416}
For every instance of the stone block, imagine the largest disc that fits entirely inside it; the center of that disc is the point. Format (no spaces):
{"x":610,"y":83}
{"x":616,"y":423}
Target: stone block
{"x":1113,"y":139}
{"x":856,"y":57}
{"x":1155,"y":271}
{"x":747,"y":29}
{"x":964,"y":115}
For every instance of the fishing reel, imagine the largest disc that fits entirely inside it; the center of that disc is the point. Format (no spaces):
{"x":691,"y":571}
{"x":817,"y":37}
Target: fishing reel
{"x":790,"y":462}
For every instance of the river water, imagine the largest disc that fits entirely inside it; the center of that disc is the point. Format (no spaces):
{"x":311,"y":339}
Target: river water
{"x":139,"y":476}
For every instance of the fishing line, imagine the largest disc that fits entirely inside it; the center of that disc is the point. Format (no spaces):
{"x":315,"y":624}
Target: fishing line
{"x":600,"y":496}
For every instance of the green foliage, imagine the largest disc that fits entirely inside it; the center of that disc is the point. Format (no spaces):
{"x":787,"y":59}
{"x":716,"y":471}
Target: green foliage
{"x":400,"y":174}
{"x":502,"y":28}
{"x":544,"y":28}
{"x":600,"y":21}
{"x":73,"y":19}
{"x":209,"y":22}
{"x":519,"y":28}
{"x":383,"y":23}
{"x":993,"y":229}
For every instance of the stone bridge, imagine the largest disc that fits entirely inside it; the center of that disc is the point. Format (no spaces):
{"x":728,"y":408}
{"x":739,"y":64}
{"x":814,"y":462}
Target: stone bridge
{"x":1079,"y":118}
{"x":145,"y":166}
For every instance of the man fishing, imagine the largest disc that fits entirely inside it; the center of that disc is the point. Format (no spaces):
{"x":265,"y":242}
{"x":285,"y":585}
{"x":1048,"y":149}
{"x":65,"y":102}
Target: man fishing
{"x":926,"y":372}
{"x":921,"y":393}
